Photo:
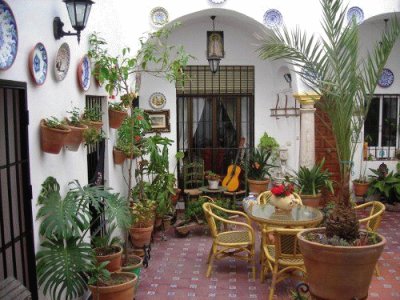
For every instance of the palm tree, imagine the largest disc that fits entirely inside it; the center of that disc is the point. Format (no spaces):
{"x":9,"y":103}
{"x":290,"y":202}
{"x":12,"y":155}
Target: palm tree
{"x":332,"y":67}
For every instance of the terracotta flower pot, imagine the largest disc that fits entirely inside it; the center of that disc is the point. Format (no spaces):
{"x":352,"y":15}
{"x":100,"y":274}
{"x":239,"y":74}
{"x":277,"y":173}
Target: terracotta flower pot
{"x":114,"y":259}
{"x":116,"y":118}
{"x":141,"y":236}
{"x":75,"y":138}
{"x":334,"y":272}
{"x":52,"y":139}
{"x":134,"y":265}
{"x":258,"y":186}
{"x":311,"y":200}
{"x":360,"y":188}
{"x":119,"y":156}
{"x":122,"y":291}
{"x":96,"y":124}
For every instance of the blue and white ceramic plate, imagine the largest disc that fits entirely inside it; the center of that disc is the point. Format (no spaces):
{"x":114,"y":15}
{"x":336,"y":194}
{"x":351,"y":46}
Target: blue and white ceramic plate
{"x":272,"y":18}
{"x":61,"y":65}
{"x":84,"y":72}
{"x":386,"y":79}
{"x":8,"y":36}
{"x":355,"y":12}
{"x":159,"y":16}
{"x":38,"y":64}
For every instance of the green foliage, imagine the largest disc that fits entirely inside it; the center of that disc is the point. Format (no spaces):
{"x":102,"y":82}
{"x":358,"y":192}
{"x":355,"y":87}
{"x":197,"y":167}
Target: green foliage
{"x":117,"y":106}
{"x":99,"y":273}
{"x":268,"y":143}
{"x":257,"y":164}
{"x":92,"y":113}
{"x":311,"y":181}
{"x":142,"y":211}
{"x":333,"y":67}
{"x":385,"y":184}
{"x":92,"y":136}
{"x":107,"y":241}
{"x":195,"y":212}
{"x":75,"y":117}
{"x":210,"y":175}
{"x":53,"y":122}
{"x":65,"y":261}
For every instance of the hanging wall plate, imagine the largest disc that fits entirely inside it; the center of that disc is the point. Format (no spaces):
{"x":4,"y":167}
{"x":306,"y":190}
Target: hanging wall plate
{"x":8,"y":36}
{"x":159,"y":16}
{"x":386,"y":79}
{"x":272,"y":18}
{"x":61,"y":65}
{"x":157,"y":100}
{"x":217,"y":1}
{"x":38,"y":64}
{"x":84,"y":71}
{"x":355,"y":12}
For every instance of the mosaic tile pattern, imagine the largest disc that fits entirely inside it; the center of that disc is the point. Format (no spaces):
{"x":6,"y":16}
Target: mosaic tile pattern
{"x":178,"y":266}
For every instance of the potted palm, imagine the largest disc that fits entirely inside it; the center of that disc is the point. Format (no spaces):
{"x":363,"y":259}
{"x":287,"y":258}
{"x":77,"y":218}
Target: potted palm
{"x":77,"y":126}
{"x":53,"y":133}
{"x":310,"y":182}
{"x":339,"y":259}
{"x":66,"y":260}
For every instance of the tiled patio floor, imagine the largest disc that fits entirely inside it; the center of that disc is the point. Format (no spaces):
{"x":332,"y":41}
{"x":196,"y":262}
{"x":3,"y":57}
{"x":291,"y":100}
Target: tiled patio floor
{"x":177,"y":270}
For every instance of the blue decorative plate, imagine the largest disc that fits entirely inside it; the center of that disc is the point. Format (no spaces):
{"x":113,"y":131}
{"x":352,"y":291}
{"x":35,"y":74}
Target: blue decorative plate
{"x":272,"y":18}
{"x":62,"y":62}
{"x":355,"y":12}
{"x":159,"y":16}
{"x":84,"y":71}
{"x":386,"y":79}
{"x":8,"y":36}
{"x":38,"y":63}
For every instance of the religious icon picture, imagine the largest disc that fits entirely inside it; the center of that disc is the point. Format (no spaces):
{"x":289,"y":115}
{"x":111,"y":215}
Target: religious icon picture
{"x":215,"y":44}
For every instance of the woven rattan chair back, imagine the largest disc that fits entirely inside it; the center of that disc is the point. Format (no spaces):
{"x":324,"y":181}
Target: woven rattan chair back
{"x":193,"y":174}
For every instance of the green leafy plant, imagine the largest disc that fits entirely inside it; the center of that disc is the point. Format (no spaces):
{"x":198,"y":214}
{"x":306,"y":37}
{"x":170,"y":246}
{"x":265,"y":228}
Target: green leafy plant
{"x":386,"y":184}
{"x":93,"y":136}
{"x":92,"y":113}
{"x":268,"y":143}
{"x":117,"y":106}
{"x":143,"y":212}
{"x":53,"y":122}
{"x":257,"y":165}
{"x":312,"y":181}
{"x":107,"y":241}
{"x":75,"y":117}
{"x":65,"y":260}
{"x":210,"y":175}
{"x":333,"y":68}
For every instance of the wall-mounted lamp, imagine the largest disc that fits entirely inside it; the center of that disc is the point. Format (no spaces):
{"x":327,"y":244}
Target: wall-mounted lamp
{"x":288,"y":79}
{"x":78,"y":11}
{"x":215,"y":47}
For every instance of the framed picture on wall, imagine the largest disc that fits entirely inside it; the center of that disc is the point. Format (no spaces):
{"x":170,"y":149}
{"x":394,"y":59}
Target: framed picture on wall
{"x":159,"y":120}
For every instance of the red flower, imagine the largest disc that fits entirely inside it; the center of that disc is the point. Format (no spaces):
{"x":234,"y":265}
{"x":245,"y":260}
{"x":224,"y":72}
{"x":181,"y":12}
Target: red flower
{"x":139,"y":117}
{"x":278,"y":190}
{"x":137,"y":138}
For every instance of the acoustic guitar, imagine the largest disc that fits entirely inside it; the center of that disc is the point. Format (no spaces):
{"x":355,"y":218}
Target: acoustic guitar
{"x":231,"y":180}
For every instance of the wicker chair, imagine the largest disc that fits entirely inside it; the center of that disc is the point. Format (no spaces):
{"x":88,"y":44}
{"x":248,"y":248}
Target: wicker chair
{"x":229,"y":243}
{"x":373,"y":221}
{"x":283,"y":257}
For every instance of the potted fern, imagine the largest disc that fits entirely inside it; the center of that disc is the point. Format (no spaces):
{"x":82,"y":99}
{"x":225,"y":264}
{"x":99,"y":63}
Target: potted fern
{"x":339,"y":259}
{"x":66,"y":260}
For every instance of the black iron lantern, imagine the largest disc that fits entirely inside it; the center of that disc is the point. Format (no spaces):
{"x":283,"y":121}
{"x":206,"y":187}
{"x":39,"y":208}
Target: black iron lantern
{"x":215,"y":47}
{"x":78,"y":11}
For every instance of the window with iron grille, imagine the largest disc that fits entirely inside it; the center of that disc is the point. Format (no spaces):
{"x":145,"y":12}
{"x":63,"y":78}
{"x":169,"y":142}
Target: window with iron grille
{"x":381,"y":127}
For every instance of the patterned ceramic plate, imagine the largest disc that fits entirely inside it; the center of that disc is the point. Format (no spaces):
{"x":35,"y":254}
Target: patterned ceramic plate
{"x":386,"y":79}
{"x":38,"y":64}
{"x":84,"y":71}
{"x":61,"y":65}
{"x":159,"y":16}
{"x":8,"y":36}
{"x":217,"y":1}
{"x":272,"y":18}
{"x":355,"y":12}
{"x":157,"y":100}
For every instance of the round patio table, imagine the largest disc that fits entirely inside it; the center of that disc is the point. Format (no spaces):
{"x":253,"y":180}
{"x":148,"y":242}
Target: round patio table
{"x":219,"y":191}
{"x":299,"y":216}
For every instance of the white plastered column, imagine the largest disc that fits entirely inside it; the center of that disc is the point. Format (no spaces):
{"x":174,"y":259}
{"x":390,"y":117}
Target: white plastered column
{"x":307,"y":130}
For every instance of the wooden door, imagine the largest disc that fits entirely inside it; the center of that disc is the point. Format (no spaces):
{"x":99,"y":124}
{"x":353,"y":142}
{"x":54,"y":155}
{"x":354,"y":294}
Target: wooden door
{"x":325,"y":145}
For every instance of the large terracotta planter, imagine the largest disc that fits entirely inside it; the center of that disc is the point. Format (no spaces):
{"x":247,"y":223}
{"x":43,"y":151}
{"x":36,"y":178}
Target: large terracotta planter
{"x":141,"y":236}
{"x":116,"y":118}
{"x":116,"y":292}
{"x":75,"y":138}
{"x":311,"y":200}
{"x":52,"y":139}
{"x":135,"y":265}
{"x":114,"y":259}
{"x":336,"y":272}
{"x":258,"y":186}
{"x":119,"y":156}
{"x":360,"y":188}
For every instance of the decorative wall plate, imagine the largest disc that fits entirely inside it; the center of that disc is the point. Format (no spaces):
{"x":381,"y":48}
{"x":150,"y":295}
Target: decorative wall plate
{"x":157,"y":100}
{"x":61,"y":65}
{"x":272,"y":18}
{"x":386,"y":79}
{"x":217,"y":1}
{"x":84,"y":72}
{"x":8,"y":36}
{"x":38,"y":63}
{"x":355,"y":12}
{"x":159,"y":16}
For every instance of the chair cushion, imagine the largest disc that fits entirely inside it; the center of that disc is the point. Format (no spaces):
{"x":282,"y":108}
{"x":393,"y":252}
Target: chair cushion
{"x":233,"y":237}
